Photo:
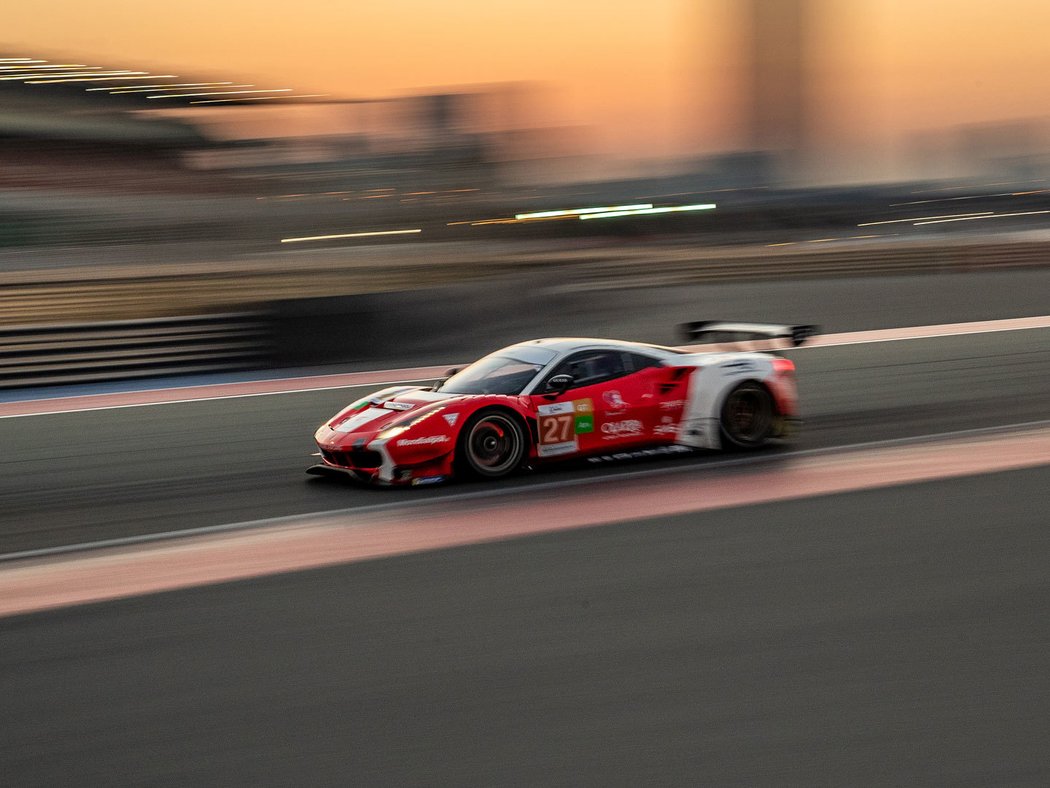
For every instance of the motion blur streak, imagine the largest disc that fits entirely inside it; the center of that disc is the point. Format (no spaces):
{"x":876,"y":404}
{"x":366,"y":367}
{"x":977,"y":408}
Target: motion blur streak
{"x":347,"y":235}
{"x":222,"y":93}
{"x":44,"y":69}
{"x":648,"y":211}
{"x":262,"y":98}
{"x":924,"y":218}
{"x":582,"y":211}
{"x":993,"y":216}
{"x":179,"y":86}
{"x":325,"y":540}
{"x":256,"y":388}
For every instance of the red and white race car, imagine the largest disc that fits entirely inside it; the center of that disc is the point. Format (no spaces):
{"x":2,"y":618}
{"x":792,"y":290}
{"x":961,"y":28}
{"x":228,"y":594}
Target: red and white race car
{"x":552,"y":399}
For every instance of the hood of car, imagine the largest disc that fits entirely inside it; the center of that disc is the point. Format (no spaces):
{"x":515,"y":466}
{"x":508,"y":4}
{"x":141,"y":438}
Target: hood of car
{"x":398,"y":406}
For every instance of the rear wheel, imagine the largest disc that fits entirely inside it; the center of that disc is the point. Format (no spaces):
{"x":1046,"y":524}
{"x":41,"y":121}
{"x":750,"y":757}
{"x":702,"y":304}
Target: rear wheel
{"x":748,"y":416}
{"x":492,"y":444}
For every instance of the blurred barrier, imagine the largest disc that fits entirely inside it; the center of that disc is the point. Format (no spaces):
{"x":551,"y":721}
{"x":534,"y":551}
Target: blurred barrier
{"x":84,"y":352}
{"x":299,"y":311}
{"x":90,"y":293}
{"x":742,"y":265}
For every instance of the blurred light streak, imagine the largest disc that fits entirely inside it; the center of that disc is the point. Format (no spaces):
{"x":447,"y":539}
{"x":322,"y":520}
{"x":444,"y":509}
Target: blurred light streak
{"x":580,"y":211}
{"x":180,"y":86}
{"x":256,"y":98}
{"x":651,"y":211}
{"x":348,"y":235}
{"x":478,"y":221}
{"x":20,"y":60}
{"x":45,"y":69}
{"x":926,"y":218}
{"x":27,"y":77}
{"x":970,"y":197}
{"x":223,"y":93}
{"x":993,"y":216}
{"x":98,"y":79}
{"x":112,"y":88}
{"x":90,"y":71}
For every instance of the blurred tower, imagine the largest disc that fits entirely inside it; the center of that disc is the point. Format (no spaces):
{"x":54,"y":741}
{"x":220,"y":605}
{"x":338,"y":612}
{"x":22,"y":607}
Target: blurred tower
{"x":777,"y":76}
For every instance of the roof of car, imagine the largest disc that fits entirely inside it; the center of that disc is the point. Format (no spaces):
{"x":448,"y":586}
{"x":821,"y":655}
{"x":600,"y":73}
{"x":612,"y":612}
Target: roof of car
{"x":568,"y":344}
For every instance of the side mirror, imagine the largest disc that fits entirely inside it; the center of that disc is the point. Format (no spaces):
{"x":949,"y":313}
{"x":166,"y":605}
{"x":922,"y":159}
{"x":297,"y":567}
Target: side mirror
{"x":441,"y":381}
{"x":559,"y":383}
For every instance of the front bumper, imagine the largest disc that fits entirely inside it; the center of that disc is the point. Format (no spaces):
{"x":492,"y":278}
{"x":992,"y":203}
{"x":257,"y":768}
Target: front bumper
{"x":433,"y":472}
{"x":357,"y":474}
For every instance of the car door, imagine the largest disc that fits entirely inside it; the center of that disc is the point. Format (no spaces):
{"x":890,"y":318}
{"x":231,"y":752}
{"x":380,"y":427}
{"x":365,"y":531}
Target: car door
{"x":607,"y":407}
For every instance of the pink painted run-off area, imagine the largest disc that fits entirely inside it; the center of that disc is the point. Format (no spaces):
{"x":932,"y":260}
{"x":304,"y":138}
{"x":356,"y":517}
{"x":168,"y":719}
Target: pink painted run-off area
{"x":340,"y":538}
{"x":391,"y":376}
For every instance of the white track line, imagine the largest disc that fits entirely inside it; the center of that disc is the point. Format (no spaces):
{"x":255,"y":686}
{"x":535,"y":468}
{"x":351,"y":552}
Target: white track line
{"x":213,"y":398}
{"x":494,"y":492}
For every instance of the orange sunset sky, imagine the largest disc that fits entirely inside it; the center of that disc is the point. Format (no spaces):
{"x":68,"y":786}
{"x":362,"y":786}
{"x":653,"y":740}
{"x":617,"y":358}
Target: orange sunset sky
{"x":649,"y":78}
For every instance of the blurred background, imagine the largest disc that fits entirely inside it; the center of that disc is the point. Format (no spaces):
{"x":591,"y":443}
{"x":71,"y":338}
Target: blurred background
{"x":240,"y":195}
{"x":297,"y":170}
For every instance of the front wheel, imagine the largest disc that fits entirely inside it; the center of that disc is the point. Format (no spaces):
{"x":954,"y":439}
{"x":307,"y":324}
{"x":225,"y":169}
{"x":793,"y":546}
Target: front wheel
{"x":491,"y":445}
{"x":748,"y":416}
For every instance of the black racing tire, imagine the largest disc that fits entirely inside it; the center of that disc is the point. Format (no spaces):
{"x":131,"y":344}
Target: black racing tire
{"x":491,"y":444}
{"x":748,"y":418}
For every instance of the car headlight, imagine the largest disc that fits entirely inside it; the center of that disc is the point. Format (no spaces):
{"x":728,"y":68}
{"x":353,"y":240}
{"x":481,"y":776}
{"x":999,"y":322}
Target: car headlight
{"x":392,"y":432}
{"x":410,"y":420}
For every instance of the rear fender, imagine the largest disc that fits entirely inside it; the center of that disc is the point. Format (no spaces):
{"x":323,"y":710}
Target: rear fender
{"x":716,"y":376}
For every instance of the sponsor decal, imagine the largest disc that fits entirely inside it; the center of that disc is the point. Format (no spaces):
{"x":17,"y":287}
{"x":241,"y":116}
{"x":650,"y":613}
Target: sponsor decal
{"x":451,"y":418}
{"x":555,"y":409}
{"x":656,"y":451}
{"x":559,"y":423}
{"x":611,"y":430}
{"x":427,"y":480}
{"x":667,"y":426}
{"x":614,"y":400}
{"x":391,"y":405}
{"x":429,"y":440}
{"x":359,"y":420}
{"x":572,"y":406}
{"x":555,"y":449}
{"x":673,"y":404}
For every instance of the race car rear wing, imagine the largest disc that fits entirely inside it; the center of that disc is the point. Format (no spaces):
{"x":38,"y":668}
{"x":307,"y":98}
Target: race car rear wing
{"x":718,"y":332}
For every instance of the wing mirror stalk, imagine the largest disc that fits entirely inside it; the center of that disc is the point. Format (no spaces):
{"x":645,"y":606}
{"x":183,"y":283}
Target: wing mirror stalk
{"x":559,"y":384}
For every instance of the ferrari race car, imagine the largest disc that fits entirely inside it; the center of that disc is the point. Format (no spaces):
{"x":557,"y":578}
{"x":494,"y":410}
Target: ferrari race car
{"x":552,"y":399}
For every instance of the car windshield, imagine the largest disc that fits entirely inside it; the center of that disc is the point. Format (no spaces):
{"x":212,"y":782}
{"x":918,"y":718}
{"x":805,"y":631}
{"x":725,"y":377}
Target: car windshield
{"x":500,"y":373}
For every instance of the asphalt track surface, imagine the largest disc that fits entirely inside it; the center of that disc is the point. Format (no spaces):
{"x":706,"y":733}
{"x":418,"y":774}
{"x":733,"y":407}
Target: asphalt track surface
{"x":889,"y":636}
{"x":894,"y":636}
